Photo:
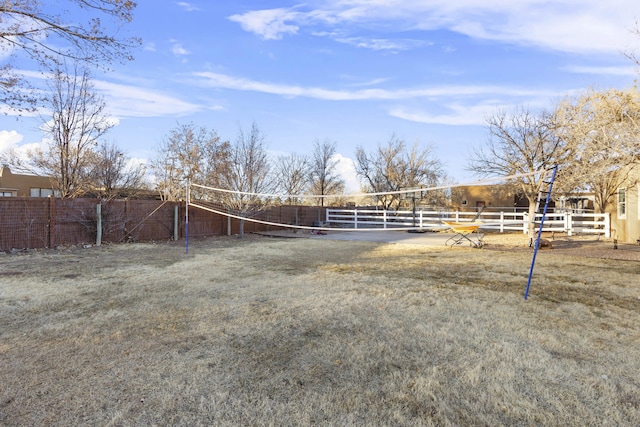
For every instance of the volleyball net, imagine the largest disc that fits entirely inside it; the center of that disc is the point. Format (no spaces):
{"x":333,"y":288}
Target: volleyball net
{"x":404,"y":209}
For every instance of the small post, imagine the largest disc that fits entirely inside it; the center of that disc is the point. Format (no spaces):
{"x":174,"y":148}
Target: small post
{"x":569,"y":223}
{"x":51,"y":222}
{"x":414,"y":209}
{"x":98,"y":224}
{"x":175,"y":222}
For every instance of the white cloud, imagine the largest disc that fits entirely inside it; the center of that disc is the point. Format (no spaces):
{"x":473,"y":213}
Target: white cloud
{"x":187,"y":6}
{"x":346,"y":168}
{"x":133,"y":101}
{"x":589,"y":26}
{"x":612,"y":71}
{"x":354,"y":81}
{"x":126,"y":100}
{"x":224,"y":81}
{"x":270,"y":24}
{"x":461,"y":114}
{"x":379,"y":43}
{"x":9,"y":139}
{"x":456,"y":116}
{"x":8,"y":111}
{"x":178,"y":50}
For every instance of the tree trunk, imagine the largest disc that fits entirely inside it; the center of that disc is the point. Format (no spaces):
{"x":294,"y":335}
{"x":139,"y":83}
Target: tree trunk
{"x":532,"y":216}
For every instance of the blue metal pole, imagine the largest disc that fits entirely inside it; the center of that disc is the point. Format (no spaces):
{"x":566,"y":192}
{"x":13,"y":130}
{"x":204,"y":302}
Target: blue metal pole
{"x":537,"y":245}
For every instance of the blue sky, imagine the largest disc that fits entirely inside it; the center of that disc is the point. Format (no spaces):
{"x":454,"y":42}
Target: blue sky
{"x":354,"y":71}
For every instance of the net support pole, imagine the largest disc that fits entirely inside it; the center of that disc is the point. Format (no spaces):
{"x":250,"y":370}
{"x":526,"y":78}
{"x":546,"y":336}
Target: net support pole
{"x":544,"y":214}
{"x":186,"y":221}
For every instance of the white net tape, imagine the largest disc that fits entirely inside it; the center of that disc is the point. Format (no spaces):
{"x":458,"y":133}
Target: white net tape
{"x":269,"y":210}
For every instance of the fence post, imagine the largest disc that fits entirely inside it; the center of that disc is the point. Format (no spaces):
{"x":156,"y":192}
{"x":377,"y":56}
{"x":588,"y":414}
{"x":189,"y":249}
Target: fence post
{"x":607,"y":225}
{"x":502,"y":221}
{"x":127,"y":211}
{"x":355,"y":218}
{"x":175,"y":222}
{"x":52,"y":222}
{"x":421,"y":218}
{"x":568,"y":223}
{"x":384,"y":219}
{"x":98,"y":224}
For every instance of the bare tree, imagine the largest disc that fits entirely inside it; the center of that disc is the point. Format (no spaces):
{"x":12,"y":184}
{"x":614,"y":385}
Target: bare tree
{"x":291,"y":174}
{"x":115,"y":175}
{"x":46,"y":32}
{"x":323,"y":176}
{"x":189,"y":153}
{"x":602,"y":129}
{"x":393,"y":168}
{"x":77,"y":123}
{"x":519,"y":143}
{"x":633,"y":54}
{"x":248,"y":173}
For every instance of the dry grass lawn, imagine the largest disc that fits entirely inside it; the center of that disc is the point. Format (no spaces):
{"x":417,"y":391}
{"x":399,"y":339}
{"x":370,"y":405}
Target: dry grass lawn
{"x":261,"y":331}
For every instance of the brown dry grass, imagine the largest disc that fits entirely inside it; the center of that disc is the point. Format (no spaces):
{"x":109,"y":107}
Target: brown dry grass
{"x":262,"y":331}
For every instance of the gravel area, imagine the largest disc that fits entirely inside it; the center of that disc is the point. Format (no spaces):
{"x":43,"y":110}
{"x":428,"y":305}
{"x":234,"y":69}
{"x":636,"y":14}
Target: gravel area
{"x":586,"y":246}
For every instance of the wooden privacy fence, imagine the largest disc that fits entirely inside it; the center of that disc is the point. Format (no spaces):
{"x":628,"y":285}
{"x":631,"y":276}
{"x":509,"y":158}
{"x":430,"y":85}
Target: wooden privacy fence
{"x":27,"y":222}
{"x":50,"y":222}
{"x":501,"y":221}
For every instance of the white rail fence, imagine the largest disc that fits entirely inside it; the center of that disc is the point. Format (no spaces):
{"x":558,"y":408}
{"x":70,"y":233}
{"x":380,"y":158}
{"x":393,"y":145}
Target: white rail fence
{"x":566,"y":222}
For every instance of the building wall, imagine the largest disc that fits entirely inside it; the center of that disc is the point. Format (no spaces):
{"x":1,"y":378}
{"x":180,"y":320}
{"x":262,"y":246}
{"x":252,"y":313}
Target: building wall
{"x":625,"y":222}
{"x":16,"y":185}
{"x":487,"y":196}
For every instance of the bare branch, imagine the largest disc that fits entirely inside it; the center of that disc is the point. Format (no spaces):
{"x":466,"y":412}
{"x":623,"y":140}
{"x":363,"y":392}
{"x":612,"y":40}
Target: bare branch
{"x":77,"y":124}
{"x":26,"y":28}
{"x":602,"y":130}
{"x":392,"y":168}
{"x":322,"y":172}
{"x":519,"y":142}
